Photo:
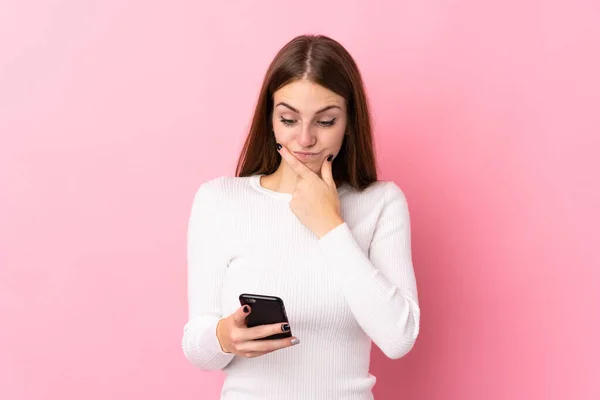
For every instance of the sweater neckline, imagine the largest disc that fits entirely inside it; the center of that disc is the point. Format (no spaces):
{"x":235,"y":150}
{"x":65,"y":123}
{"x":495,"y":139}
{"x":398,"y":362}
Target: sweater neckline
{"x":255,"y":183}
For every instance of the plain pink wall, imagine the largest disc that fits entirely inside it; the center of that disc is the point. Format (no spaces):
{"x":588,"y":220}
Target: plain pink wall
{"x":112,"y":113}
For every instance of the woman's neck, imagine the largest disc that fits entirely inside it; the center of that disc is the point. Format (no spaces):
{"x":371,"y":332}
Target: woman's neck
{"x":283,"y":180}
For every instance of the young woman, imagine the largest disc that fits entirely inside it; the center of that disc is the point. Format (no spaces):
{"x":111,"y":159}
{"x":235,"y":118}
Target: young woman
{"x":306,"y":220}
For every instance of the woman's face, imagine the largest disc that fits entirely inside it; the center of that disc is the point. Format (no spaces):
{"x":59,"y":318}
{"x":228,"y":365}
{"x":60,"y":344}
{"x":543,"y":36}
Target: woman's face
{"x":310,"y":121}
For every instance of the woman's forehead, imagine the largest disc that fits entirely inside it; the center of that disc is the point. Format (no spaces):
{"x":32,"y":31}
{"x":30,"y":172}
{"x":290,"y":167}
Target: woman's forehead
{"x":307,"y":97}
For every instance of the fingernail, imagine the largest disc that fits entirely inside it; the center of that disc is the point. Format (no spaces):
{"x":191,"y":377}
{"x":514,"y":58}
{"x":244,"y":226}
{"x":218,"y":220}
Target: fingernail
{"x":295,"y":341}
{"x":285,"y":327}
{"x":278,"y":146}
{"x":246,"y":309}
{"x":330,"y":157}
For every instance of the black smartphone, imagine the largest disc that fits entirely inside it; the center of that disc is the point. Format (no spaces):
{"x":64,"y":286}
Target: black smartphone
{"x":265,"y":310}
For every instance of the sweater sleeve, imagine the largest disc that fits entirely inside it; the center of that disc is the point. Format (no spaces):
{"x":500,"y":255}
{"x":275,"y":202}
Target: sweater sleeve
{"x":206,"y":268}
{"x":379,"y":287}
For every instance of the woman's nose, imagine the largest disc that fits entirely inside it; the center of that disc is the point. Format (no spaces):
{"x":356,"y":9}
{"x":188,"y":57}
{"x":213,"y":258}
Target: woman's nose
{"x":305,"y":137}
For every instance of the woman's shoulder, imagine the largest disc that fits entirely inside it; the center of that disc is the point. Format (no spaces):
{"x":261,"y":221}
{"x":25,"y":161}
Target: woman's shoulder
{"x":219,"y":182}
{"x":382,"y":190}
{"x":215,"y":189}
{"x":379,"y":198}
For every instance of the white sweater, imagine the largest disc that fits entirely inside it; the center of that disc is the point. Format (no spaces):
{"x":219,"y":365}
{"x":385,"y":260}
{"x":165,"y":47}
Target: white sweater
{"x":354,"y":285}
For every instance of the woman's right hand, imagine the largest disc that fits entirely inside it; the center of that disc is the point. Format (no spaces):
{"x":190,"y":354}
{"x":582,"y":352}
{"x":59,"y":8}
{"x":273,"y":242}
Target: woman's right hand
{"x":236,"y":338}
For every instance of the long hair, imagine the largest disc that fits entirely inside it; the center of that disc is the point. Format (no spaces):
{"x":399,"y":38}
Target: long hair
{"x":325,"y":62}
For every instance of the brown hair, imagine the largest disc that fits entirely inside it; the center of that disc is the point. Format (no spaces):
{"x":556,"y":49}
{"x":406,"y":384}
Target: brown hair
{"x":325,"y":62}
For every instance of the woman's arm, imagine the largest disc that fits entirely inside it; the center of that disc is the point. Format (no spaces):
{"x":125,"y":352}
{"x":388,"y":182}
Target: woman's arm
{"x":380,"y":287}
{"x":206,"y":268}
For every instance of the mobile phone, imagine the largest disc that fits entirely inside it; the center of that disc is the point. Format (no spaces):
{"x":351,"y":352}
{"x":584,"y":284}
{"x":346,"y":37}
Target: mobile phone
{"x":265,"y":310}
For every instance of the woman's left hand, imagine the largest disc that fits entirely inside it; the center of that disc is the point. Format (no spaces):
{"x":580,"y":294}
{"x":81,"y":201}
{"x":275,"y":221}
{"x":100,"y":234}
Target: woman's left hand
{"x":315,"y":201}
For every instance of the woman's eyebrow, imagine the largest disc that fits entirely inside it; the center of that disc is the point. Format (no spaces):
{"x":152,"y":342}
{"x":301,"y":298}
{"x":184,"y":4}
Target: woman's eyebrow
{"x":298,"y":112}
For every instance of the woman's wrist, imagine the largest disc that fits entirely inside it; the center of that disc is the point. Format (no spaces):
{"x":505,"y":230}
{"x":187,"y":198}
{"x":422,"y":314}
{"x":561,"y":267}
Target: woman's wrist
{"x":328,"y":225}
{"x":218,"y":333}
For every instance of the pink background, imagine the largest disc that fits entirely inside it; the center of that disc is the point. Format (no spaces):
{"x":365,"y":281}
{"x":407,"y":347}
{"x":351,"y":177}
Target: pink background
{"x":487,"y":114}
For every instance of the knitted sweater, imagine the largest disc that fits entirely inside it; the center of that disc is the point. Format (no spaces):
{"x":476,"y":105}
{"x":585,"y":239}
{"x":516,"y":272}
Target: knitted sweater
{"x":354,"y":286}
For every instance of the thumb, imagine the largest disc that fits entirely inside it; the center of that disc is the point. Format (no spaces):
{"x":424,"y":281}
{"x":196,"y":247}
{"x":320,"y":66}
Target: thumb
{"x":239,"y":316}
{"x":326,"y":173}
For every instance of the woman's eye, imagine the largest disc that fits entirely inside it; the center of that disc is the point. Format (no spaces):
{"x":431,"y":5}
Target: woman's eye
{"x":287,"y":122}
{"x":292,"y":122}
{"x":327,"y":123}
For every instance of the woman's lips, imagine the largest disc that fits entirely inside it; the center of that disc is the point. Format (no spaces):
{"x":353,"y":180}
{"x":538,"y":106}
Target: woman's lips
{"x":305,"y":155}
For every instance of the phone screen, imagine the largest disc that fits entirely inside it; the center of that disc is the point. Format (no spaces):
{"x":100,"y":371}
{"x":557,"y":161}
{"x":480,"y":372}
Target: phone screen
{"x":265,"y":310}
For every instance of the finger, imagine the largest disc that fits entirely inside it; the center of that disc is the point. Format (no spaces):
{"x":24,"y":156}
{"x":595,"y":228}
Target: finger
{"x":253,"y":354}
{"x":326,"y":172}
{"x":302,"y":170}
{"x":263,"y":331}
{"x":239,"y":317}
{"x":266,"y":345}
